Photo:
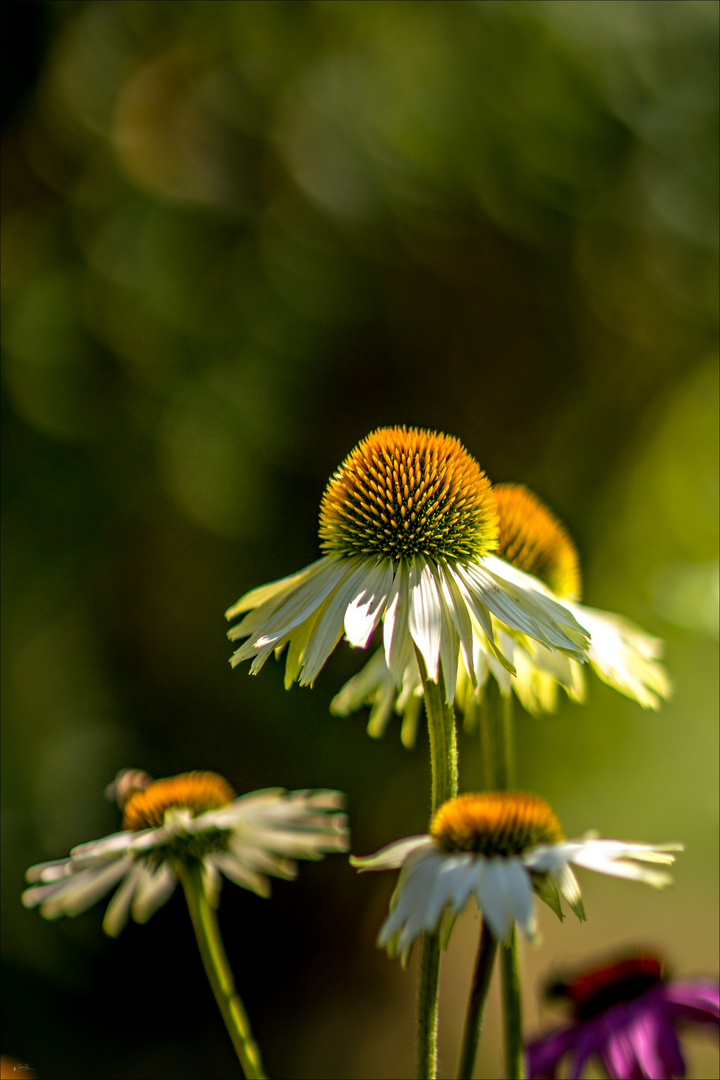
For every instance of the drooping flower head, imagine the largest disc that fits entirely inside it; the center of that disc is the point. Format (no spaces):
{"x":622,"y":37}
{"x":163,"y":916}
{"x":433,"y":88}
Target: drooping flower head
{"x":626,"y":1015}
{"x":408,"y":524}
{"x":193,"y":817}
{"x":531,"y":539}
{"x":501,"y":848}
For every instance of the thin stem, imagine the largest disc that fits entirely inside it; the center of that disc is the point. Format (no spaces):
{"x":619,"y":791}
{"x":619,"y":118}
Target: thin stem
{"x":427,"y":1006}
{"x":496,"y":732}
{"x":496,"y":735}
{"x":443,"y":742}
{"x":512,"y":1007}
{"x":476,"y":1003}
{"x":443,"y":765}
{"x":218,"y":971}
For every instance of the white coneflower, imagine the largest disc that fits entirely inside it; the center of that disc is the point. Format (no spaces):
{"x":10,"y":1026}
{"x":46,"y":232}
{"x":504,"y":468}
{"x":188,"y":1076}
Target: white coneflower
{"x":502,"y":848}
{"x":533,"y":540}
{"x":193,"y":818}
{"x":409,"y":525}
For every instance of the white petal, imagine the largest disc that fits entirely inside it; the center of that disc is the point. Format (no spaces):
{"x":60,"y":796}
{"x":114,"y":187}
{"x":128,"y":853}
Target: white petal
{"x":625,"y":657}
{"x":153,"y":889}
{"x":296,"y":606}
{"x":568,"y":885}
{"x":521,"y":602}
{"x":275,"y":590}
{"x":449,"y":640}
{"x":118,"y":909}
{"x":425,"y":618}
{"x":504,"y":895}
{"x":79,"y":892}
{"x":415,"y":889}
{"x":394,"y":855}
{"x":364,"y":611}
{"x":460,"y":614}
{"x":453,"y":885}
{"x":396,"y":634}
{"x":236,"y":870}
{"x":372,"y":681}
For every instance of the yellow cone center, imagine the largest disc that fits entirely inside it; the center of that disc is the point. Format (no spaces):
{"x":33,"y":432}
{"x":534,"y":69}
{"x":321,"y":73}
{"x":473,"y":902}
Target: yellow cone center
{"x":495,"y":823}
{"x":193,"y":791}
{"x":403,"y":492}
{"x":534,"y":540}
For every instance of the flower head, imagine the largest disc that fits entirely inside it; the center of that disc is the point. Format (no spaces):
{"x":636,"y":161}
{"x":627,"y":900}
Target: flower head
{"x":190,"y":818}
{"x":408,"y":524}
{"x":626,"y":1014}
{"x":532,"y":540}
{"x":501,"y":848}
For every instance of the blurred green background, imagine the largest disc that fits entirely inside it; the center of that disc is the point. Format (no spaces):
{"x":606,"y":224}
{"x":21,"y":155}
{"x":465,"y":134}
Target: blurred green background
{"x":238,"y":236}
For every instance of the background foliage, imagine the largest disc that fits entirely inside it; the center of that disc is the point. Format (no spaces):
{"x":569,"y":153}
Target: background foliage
{"x":236,"y":238}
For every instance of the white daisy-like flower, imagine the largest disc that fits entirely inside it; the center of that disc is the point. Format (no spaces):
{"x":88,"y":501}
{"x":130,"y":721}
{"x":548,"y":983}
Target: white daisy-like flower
{"x":190,"y":818}
{"x":409,"y":525}
{"x":503,"y":848}
{"x":533,"y":540}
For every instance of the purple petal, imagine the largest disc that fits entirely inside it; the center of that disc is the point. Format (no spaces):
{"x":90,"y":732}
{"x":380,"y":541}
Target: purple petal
{"x":668,"y":1047}
{"x":695,"y":1000}
{"x":620,"y":1056}
{"x":598,"y":1037}
{"x":544,"y":1054}
{"x":655,"y":1044}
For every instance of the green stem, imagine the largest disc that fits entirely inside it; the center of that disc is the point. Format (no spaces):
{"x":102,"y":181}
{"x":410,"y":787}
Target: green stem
{"x":476,"y":1003}
{"x":496,"y":738}
{"x":512,"y":1007}
{"x":443,"y":765}
{"x":443,"y":743}
{"x":498,"y":763}
{"x":218,"y":971}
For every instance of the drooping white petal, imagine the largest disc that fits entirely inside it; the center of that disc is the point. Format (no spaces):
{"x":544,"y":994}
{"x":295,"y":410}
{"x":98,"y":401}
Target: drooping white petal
{"x":606,"y":857}
{"x":118,"y":909}
{"x":504,"y":895}
{"x":425,"y":618}
{"x":453,"y":885}
{"x":364,"y":611}
{"x":275,"y":590}
{"x":396,"y":634}
{"x":625,"y":657}
{"x":460,"y":614}
{"x":567,"y":883}
{"x":408,"y":916}
{"x":153,"y":889}
{"x":522,"y":602}
{"x":449,"y":640}
{"x":78,"y":892}
{"x":236,"y":870}
{"x":393,"y":855}
{"x":297,"y":605}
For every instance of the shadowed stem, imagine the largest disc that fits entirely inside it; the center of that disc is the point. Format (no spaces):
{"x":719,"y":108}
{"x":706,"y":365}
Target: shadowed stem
{"x":512,"y":1007}
{"x":443,"y":764}
{"x":217,"y":969}
{"x":476,"y":1003}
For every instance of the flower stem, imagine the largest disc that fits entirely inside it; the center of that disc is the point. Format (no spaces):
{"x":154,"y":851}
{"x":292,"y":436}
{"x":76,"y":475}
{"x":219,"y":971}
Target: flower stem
{"x":443,"y":765}
{"x":443,"y":743}
{"x":512,"y":1007}
{"x":476,"y":1003}
{"x":218,"y":971}
{"x":496,"y":734}
{"x":496,"y":731}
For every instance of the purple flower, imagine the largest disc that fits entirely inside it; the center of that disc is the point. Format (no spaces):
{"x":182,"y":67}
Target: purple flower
{"x":626,"y":1015}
